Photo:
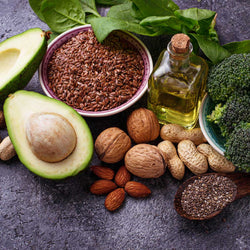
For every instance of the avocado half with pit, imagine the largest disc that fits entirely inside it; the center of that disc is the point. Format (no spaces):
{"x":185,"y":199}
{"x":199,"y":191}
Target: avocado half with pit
{"x":50,"y":138}
{"x":20,"y":57}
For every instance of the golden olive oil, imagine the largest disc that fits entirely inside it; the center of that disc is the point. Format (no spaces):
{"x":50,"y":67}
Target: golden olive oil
{"x":177,"y":86}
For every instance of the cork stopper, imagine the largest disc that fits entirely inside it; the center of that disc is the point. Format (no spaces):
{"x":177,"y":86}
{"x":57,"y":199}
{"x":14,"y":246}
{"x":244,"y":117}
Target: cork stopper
{"x":180,"y":43}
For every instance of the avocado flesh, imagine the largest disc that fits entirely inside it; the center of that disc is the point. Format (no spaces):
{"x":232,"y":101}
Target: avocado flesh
{"x":20,"y":57}
{"x":19,"y":106}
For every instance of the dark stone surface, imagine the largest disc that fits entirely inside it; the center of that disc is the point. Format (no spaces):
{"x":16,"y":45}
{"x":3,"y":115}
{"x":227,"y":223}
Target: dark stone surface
{"x":41,"y":214}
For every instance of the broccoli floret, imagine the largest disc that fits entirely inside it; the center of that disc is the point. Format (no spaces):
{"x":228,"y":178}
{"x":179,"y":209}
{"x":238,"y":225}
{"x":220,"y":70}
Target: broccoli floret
{"x":229,"y":76}
{"x":233,"y":112}
{"x":238,"y":147}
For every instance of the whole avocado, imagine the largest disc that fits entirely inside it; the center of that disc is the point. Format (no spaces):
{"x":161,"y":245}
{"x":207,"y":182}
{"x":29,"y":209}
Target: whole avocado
{"x":229,"y":76}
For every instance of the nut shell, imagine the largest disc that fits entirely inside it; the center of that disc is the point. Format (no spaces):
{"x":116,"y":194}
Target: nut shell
{"x":143,"y":125}
{"x":176,"y":133}
{"x":192,"y":158}
{"x":7,"y":150}
{"x":112,"y":144}
{"x":216,"y":161}
{"x":174,"y":163}
{"x":145,"y":161}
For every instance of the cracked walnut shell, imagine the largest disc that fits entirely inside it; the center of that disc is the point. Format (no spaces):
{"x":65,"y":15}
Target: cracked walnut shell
{"x":143,"y":125}
{"x":145,"y":161}
{"x":112,"y":144}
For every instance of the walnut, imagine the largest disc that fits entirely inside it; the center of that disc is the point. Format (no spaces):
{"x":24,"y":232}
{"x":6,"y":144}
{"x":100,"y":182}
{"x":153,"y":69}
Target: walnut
{"x":145,"y":161}
{"x":143,"y":125}
{"x":112,"y":144}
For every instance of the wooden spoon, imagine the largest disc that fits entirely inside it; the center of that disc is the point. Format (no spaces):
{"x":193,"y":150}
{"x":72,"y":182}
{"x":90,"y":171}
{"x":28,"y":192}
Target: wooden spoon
{"x":242,"y":181}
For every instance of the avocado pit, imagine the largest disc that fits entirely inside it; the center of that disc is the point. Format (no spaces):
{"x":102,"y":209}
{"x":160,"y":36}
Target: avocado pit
{"x":51,"y":136}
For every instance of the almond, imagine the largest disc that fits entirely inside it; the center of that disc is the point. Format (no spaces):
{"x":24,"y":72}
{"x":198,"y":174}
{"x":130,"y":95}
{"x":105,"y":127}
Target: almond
{"x":137,"y":189}
{"x":103,"y":172}
{"x":122,"y":176}
{"x":115,"y":199}
{"x":101,"y":187}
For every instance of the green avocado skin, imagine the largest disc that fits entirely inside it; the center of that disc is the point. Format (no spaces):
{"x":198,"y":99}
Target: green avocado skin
{"x":22,"y":79}
{"x":13,"y":118}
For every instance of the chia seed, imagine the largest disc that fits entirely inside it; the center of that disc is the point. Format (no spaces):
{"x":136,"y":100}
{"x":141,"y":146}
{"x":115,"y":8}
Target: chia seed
{"x":207,"y":194}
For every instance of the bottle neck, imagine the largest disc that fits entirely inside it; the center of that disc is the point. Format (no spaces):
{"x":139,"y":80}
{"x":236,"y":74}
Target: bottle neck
{"x":179,"y":62}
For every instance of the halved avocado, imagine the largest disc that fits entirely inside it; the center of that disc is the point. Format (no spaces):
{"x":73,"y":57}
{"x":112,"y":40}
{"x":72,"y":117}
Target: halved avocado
{"x":18,"y":110}
{"x":20,"y":57}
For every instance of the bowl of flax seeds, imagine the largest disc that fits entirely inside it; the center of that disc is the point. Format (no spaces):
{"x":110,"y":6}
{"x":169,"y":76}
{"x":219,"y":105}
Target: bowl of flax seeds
{"x":96,"y":79}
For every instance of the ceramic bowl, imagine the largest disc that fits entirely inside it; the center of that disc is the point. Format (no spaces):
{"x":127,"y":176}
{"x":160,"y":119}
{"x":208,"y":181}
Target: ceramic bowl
{"x":133,"y":40}
{"x":210,"y":130}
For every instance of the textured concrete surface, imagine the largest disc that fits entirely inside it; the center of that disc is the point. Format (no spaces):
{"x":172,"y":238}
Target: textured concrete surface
{"x":41,"y":214}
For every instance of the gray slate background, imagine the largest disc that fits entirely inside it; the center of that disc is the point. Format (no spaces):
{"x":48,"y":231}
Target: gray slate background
{"x":41,"y":214}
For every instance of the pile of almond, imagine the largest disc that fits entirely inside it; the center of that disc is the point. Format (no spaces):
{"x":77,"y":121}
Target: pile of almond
{"x":118,"y":188}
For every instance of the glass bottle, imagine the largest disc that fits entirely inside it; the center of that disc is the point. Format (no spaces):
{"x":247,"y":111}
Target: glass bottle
{"x":177,"y":83}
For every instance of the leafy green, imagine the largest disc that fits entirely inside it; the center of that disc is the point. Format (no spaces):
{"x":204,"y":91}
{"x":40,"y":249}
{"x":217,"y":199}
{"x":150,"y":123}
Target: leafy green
{"x":156,"y":8}
{"x":90,"y":17}
{"x":62,"y":15}
{"x":124,"y":12}
{"x":211,"y":49}
{"x":89,"y":7}
{"x":238,"y":47}
{"x":144,"y":17}
{"x":196,"y":19}
{"x":212,"y":32}
{"x":163,"y":21}
{"x":36,"y":7}
{"x":109,"y":24}
{"x":111,"y":2}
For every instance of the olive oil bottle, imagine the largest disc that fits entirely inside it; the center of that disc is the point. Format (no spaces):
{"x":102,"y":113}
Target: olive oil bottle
{"x":177,"y":83}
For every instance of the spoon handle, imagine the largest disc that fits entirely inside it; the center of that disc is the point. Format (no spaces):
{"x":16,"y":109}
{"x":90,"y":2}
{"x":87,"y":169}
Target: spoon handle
{"x":242,"y":182}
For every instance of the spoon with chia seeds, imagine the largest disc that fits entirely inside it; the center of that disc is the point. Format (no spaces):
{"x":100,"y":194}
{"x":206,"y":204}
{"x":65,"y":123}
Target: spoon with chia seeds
{"x":205,"y":196}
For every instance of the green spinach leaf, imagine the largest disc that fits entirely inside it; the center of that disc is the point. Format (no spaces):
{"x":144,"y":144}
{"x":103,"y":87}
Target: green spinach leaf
{"x":197,"y":19}
{"x":238,"y":47}
{"x":62,"y":15}
{"x":212,"y":33}
{"x":211,"y":49}
{"x":90,"y":17}
{"x":163,"y":21}
{"x":89,"y":7}
{"x":156,"y":8}
{"x":102,"y":26}
{"x":36,"y":7}
{"x":111,"y":2}
{"x":124,"y":12}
